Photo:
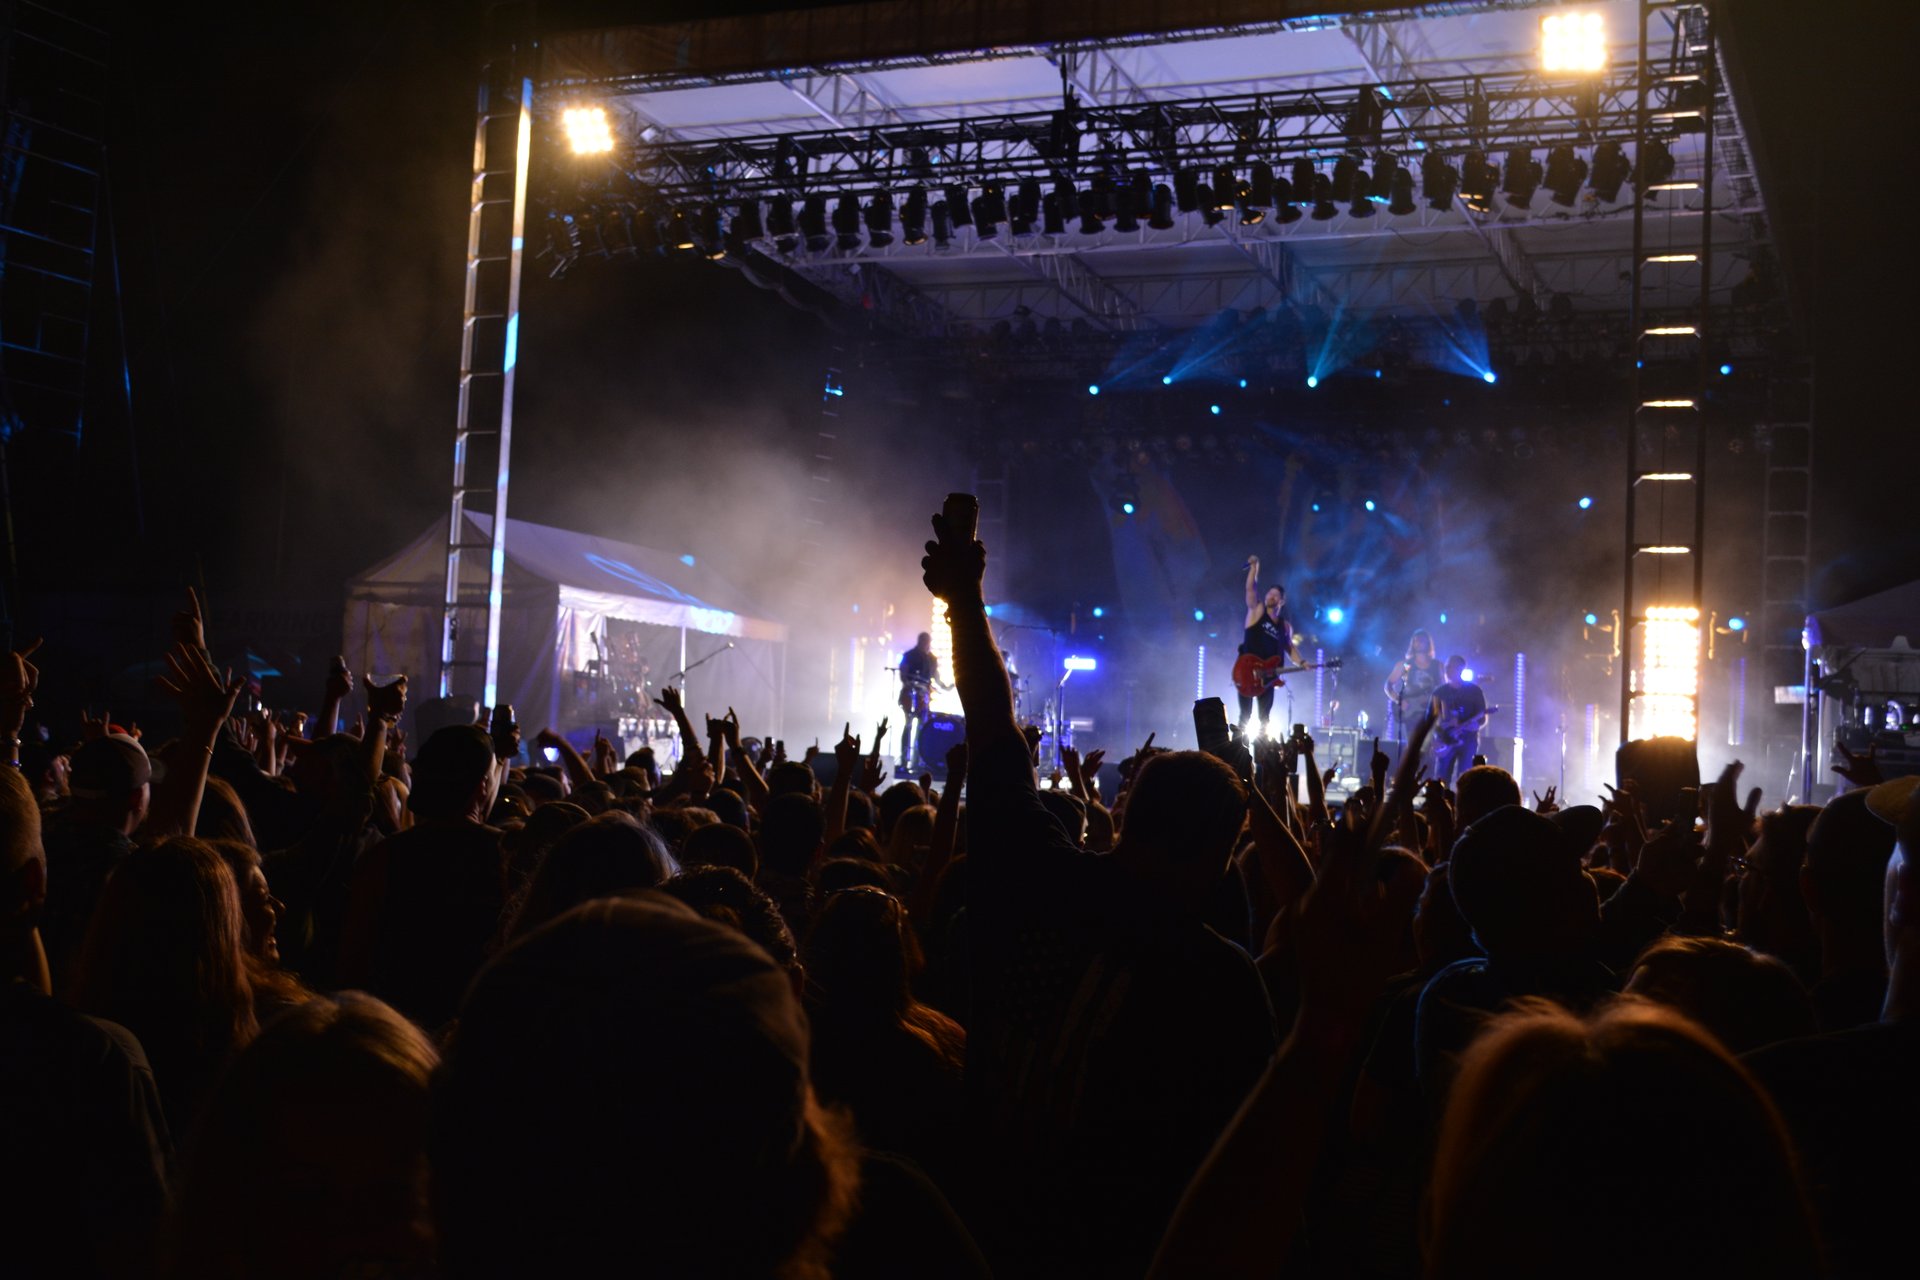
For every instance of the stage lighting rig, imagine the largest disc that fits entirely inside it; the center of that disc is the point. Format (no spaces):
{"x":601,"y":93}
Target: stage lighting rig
{"x":1573,"y":43}
{"x":942,"y":225}
{"x":1054,"y":218}
{"x":589,"y":130}
{"x":1438,"y":182}
{"x":846,"y":223}
{"x":1160,"y":217}
{"x":913,"y":216}
{"x":1565,"y":172}
{"x":1186,"y":190}
{"x":1400,"y":204}
{"x":1090,"y":224}
{"x":1210,"y":206}
{"x":958,"y":207}
{"x":1228,"y":190}
{"x":813,"y":223}
{"x":678,"y":232}
{"x":1522,"y":177}
{"x":1345,"y":170}
{"x":1478,"y":177}
{"x":1024,"y":208}
{"x":1654,"y":166}
{"x":706,"y":221}
{"x":1386,"y":169}
{"x":1324,"y":208}
{"x":1609,"y":171}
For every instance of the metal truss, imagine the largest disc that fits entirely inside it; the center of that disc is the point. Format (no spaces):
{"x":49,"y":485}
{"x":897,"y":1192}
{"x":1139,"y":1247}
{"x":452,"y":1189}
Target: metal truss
{"x":841,"y":98}
{"x":867,"y":287}
{"x":1450,"y":115}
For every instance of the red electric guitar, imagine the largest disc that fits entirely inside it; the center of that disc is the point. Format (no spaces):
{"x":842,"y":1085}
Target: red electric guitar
{"x":1254,"y":676}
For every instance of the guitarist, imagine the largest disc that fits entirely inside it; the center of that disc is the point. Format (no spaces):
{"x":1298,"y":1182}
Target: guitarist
{"x":1462,"y":713}
{"x":1269,"y":635}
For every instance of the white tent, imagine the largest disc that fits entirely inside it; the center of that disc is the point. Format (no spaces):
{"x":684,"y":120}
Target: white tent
{"x":564,"y":593}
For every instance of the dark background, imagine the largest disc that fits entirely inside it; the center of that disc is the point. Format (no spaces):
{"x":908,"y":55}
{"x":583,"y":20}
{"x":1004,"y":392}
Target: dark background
{"x":289,"y":186}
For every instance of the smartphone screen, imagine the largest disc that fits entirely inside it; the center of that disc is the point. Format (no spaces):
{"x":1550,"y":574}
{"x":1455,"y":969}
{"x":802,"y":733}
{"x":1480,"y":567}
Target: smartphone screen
{"x":1210,"y":726}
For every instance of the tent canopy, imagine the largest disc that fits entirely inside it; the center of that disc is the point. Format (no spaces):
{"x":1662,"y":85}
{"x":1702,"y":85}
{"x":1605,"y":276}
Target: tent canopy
{"x":615,"y":579}
{"x":1872,"y":623}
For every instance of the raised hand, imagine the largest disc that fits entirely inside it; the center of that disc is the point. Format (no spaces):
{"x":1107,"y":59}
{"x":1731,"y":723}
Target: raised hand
{"x":871,"y":774}
{"x":205,"y":696}
{"x":952,"y":569}
{"x":880,"y":734}
{"x":386,"y":702}
{"x":846,"y":752}
{"x":339,"y":679}
{"x":188,"y":628}
{"x":504,"y":731}
{"x":1546,"y":803}
{"x":669,"y":698}
{"x":92,"y":729}
{"x":547,"y":738}
{"x":1377,"y":766}
{"x":1031,"y":733}
{"x":1070,"y":760}
{"x":956,"y":765}
{"x":1668,"y":862}
{"x":1861,"y":771}
{"x":730,"y":728}
{"x":1090,"y":766}
{"x":1348,"y":929}
{"x":605,"y":758}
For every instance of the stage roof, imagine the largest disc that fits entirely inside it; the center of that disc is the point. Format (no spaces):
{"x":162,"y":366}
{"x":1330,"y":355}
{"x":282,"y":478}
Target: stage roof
{"x":884,"y":97}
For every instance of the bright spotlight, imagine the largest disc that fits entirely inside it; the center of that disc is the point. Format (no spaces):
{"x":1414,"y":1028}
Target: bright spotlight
{"x":1376,"y":373}
{"x":1586,"y":503}
{"x":1725,"y":369}
{"x":1592,"y":619}
{"x":1213,"y":409}
{"x":1243,"y":384}
{"x":1313,"y":380}
{"x":1099,"y":611}
{"x":1336,"y":615}
{"x":1466,"y":674}
{"x":1126,"y":508}
{"x":589,"y":132}
{"x":1667,"y":675}
{"x":1575,"y":42}
{"x":1316,"y":506}
{"x":1166,"y":379}
{"x":1093,"y":388}
{"x":1077,"y":663}
{"x":1369,"y":504}
{"x":1736,"y":624}
{"x":1489,"y":377}
{"x":1199,"y":615}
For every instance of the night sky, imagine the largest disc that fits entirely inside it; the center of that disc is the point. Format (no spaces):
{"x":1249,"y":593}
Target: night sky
{"x":288,"y":187}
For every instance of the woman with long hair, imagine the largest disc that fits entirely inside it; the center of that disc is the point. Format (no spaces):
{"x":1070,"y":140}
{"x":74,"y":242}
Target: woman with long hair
{"x":165,"y":957}
{"x":1411,"y":683}
{"x":274,"y":988}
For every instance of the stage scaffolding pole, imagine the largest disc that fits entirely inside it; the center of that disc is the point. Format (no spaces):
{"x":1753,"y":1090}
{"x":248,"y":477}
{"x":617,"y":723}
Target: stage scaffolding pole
{"x":489,"y":350}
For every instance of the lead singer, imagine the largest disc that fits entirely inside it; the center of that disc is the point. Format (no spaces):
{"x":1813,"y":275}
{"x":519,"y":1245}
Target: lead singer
{"x":1268,"y":635}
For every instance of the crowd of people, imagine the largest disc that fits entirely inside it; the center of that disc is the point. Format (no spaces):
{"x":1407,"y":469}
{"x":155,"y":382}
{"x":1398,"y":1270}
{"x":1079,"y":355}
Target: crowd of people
{"x":289,"y":1001}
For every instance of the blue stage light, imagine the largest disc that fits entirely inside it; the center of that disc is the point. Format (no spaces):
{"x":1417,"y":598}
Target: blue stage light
{"x":1213,"y":408}
{"x":1376,"y":373}
{"x":1076,"y":663}
{"x":687,"y":560}
{"x":1586,"y":503}
{"x":1593,"y":619}
{"x":1099,"y":612}
{"x":1127,"y":507}
{"x":1313,"y":380}
{"x":1093,"y":388}
{"x":1443,"y":619}
{"x":1316,"y":506}
{"x":1166,"y":379}
{"x":1725,"y":369}
{"x":1336,"y":615}
{"x":1466,"y":674}
{"x":1369,"y":504}
{"x":1736,"y":624}
{"x":1243,"y":384}
{"x":1199,"y":615}
{"x":1489,"y":377}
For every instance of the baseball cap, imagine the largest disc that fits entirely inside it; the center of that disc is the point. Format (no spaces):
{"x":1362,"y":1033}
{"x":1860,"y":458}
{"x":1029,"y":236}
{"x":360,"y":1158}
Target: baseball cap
{"x":1898,"y":802}
{"x":109,"y":769}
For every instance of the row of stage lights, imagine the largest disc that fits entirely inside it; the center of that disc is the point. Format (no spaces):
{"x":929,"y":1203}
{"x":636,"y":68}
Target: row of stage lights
{"x":1125,"y":202}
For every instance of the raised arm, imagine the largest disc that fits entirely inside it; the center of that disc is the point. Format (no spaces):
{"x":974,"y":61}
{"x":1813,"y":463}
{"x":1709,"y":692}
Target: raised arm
{"x":946,"y":826}
{"x":750,"y":779}
{"x":206,"y":700}
{"x":19,"y":681}
{"x":579,"y":774}
{"x":676,"y":707}
{"x":846,"y":759}
{"x":952,"y":570}
{"x":339,"y":685}
{"x":1253,"y":590}
{"x":384,"y":708}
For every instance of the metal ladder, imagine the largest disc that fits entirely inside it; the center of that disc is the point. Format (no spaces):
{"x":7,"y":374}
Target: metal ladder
{"x":1666,"y":423}
{"x":489,"y":350}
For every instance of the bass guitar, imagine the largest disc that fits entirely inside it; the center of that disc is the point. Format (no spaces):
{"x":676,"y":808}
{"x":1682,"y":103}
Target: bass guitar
{"x":1446,"y":734}
{"x":1254,"y":676}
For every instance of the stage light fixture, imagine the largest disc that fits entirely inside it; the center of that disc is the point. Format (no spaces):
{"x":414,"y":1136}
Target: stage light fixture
{"x":1054,"y":219}
{"x":1127,"y":507}
{"x":1199,"y":615}
{"x":1438,"y":182}
{"x":1128,"y":205}
{"x":1667,"y":676}
{"x":1090,"y":223}
{"x":959,"y":205}
{"x":1362,"y":206}
{"x":846,"y":223}
{"x":1166,"y":379}
{"x":1654,"y":165}
{"x":1323,"y":206}
{"x":1093,"y":388}
{"x":706,"y":223}
{"x":1566,"y":171}
{"x":1592,"y":619}
{"x":1725,"y":370}
{"x":1336,"y":615}
{"x":1228,"y":190}
{"x":1186,"y":190}
{"x":1283,"y":201}
{"x":1099,"y":612}
{"x":1209,"y":206}
{"x":1259,"y":188}
{"x":1345,"y":169}
{"x":1024,"y":208}
{"x":589,"y":130}
{"x":1466,"y":674}
{"x":1586,"y":504}
{"x":1609,"y":171}
{"x":1489,"y":377}
{"x":1478,"y":178}
{"x":1214,"y":409}
{"x":1369,"y":504}
{"x":1303,"y":176}
{"x":1386,"y":169}
{"x":1401,"y":203}
{"x":1243,"y":384}
{"x":679,"y":232}
{"x":913,"y":216}
{"x":1160,"y":216}
{"x":813,"y":223}
{"x":942,"y":226}
{"x":1522,"y":177}
{"x":1573,"y":43}
{"x":1313,"y":380}
{"x":746,"y":221}
{"x":880,"y":220}
{"x":994,"y":195}
{"x":1736,"y":624}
